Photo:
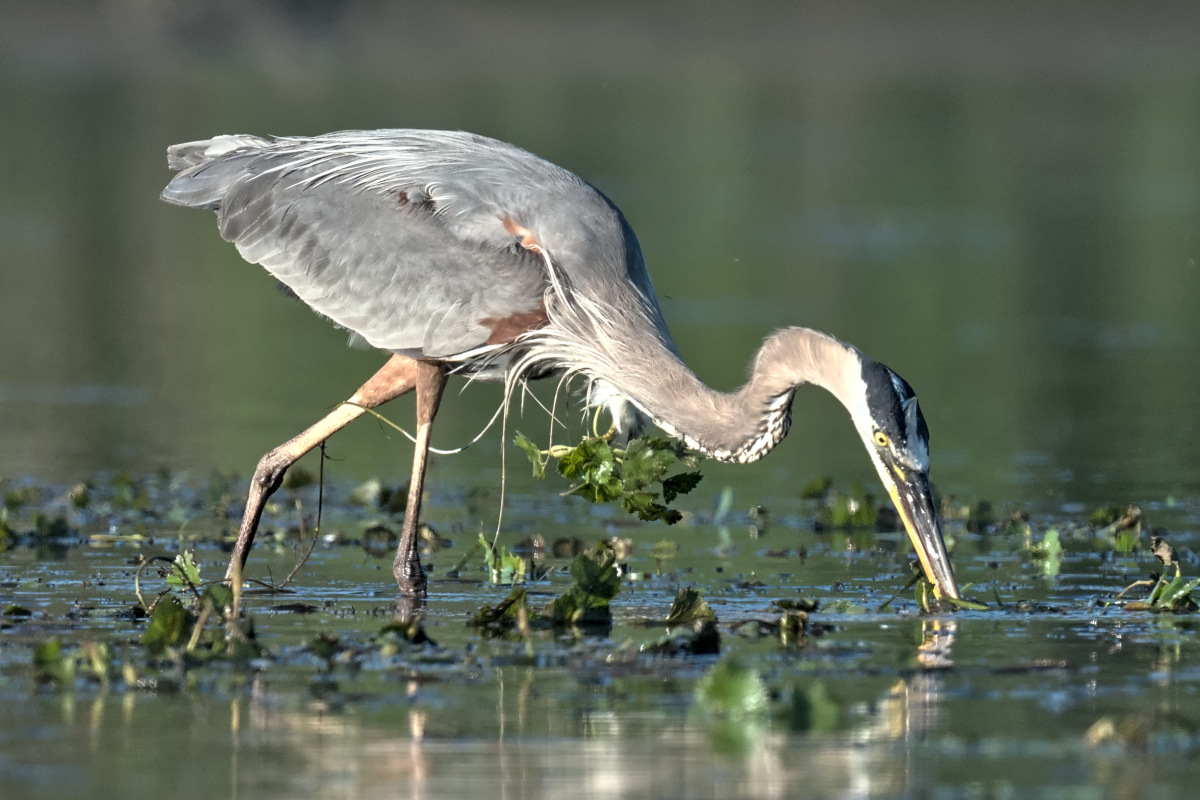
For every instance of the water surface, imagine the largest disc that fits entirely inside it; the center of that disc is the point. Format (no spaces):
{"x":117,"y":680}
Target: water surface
{"x":999,"y":204}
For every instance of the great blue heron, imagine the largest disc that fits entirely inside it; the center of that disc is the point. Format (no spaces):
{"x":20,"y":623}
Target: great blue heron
{"x":459,"y":253}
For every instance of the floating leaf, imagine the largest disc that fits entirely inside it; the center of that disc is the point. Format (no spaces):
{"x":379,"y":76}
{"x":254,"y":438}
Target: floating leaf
{"x":1176,"y":596}
{"x":501,"y":618}
{"x":586,"y":601}
{"x":218,"y":597}
{"x":701,"y":638}
{"x":368,"y":493}
{"x":325,"y":646}
{"x":99,"y":658}
{"x":168,"y":623}
{"x":854,"y":510}
{"x":664,"y":550}
{"x":689,"y":607}
{"x":816,"y":489}
{"x":184,"y":574}
{"x":410,"y":631}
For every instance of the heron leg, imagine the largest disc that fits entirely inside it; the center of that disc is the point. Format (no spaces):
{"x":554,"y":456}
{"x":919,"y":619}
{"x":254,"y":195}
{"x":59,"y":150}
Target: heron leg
{"x":398,"y":376}
{"x":410,"y":575}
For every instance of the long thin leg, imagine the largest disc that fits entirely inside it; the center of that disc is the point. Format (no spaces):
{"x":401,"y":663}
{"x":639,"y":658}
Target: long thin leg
{"x":398,"y":376}
{"x":410,"y":575}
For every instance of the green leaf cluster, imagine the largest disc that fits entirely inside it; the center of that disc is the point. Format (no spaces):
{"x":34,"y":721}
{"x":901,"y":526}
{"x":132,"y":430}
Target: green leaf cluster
{"x":178,"y":627}
{"x":170,"y":623}
{"x":184,"y":573}
{"x":689,"y":607}
{"x":595,"y":582}
{"x":603,"y":473}
{"x":586,"y":601}
{"x":501,"y":618}
{"x":504,"y":567}
{"x":1173,"y":595}
{"x":1049,"y":553}
{"x":1176,"y":596}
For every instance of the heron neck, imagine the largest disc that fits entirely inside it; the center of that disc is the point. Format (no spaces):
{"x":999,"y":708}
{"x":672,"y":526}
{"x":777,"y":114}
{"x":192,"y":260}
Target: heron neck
{"x":745,"y":425}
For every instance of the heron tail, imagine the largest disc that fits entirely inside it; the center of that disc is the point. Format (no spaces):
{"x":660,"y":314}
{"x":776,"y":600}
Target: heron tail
{"x":203,"y":167}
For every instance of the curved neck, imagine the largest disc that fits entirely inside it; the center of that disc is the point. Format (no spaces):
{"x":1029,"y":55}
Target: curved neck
{"x":745,"y":425}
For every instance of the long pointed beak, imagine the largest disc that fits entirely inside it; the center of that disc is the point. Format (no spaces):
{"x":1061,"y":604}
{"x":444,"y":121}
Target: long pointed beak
{"x":911,"y":492}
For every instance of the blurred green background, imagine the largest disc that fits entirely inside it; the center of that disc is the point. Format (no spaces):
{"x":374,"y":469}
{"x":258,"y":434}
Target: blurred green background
{"x":1000,"y":202}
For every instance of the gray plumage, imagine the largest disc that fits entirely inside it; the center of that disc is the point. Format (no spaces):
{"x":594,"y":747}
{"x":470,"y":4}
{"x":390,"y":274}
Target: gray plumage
{"x":399,"y":236}
{"x":457,"y":249}
{"x":427,"y":255}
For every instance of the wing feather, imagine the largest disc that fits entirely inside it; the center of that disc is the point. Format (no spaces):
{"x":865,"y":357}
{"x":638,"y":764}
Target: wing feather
{"x":393,"y":235}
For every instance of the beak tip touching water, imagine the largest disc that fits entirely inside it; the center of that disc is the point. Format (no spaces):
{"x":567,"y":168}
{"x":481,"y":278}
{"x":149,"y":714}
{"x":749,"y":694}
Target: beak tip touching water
{"x":913,"y":497}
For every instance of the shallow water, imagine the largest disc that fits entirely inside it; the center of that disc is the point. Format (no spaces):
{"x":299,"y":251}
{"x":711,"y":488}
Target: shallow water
{"x":1049,"y":693}
{"x":999,"y":204}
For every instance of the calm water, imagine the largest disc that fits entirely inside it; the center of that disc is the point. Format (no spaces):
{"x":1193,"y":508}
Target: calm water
{"x":1001,"y":205}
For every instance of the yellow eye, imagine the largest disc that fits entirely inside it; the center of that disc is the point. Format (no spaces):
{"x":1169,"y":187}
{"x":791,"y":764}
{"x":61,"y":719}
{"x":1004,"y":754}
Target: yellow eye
{"x":881,"y":439}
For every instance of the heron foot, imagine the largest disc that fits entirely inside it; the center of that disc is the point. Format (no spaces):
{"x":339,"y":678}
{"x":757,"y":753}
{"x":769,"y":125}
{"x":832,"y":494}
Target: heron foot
{"x":410,"y":577}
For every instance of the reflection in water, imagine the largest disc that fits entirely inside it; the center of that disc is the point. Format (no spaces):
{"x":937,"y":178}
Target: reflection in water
{"x":654,"y":753}
{"x":545,"y":731}
{"x":913,"y":705}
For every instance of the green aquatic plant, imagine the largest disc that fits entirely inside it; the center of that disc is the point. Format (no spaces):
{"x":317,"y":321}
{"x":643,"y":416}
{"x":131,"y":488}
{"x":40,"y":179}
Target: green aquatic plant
{"x":184,"y":572}
{"x":170,"y":623}
{"x":503,"y":617}
{"x":180,"y":613}
{"x":1120,"y":528}
{"x":584,"y":603}
{"x":791,"y":621}
{"x":602,"y":473}
{"x":595,"y":583}
{"x":503,"y":566}
{"x":689,"y":607}
{"x":1173,"y":595}
{"x":931,"y":603}
{"x":1048,"y":553}
{"x":691,"y":627}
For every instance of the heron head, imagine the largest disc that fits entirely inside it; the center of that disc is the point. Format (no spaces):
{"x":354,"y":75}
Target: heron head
{"x":892,"y":427}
